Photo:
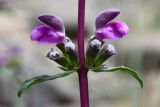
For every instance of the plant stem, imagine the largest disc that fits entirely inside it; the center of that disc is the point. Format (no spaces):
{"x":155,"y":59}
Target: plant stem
{"x":83,"y":85}
{"x":82,"y":72}
{"x":81,"y":21}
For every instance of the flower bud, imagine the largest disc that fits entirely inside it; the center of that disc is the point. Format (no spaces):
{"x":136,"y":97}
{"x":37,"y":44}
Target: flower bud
{"x":72,"y":52}
{"x":93,"y":48}
{"x":61,"y":46}
{"x":105,"y":53}
{"x":91,"y":38}
{"x":54,"y":54}
{"x":67,"y":39}
{"x":58,"y":57}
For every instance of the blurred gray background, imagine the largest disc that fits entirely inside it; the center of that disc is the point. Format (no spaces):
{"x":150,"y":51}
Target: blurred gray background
{"x":21,"y":59}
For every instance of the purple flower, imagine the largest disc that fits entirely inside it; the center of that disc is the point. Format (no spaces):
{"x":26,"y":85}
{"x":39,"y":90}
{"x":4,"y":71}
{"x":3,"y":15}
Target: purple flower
{"x":52,"y":32}
{"x":108,"y":29}
{"x":3,"y":59}
{"x":14,"y":50}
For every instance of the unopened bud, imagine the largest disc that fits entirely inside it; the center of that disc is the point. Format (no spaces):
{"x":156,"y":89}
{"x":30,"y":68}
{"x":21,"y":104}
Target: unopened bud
{"x":105,"y":53}
{"x":61,"y":46}
{"x":108,"y":50}
{"x":91,"y":38}
{"x":58,"y":57}
{"x":72,"y":52}
{"x":93,"y":48}
{"x":95,"y":44}
{"x":54,"y":54}
{"x":70,"y":46}
{"x":67,"y":39}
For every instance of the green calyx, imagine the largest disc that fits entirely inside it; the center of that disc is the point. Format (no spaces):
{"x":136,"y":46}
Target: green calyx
{"x":66,"y":56}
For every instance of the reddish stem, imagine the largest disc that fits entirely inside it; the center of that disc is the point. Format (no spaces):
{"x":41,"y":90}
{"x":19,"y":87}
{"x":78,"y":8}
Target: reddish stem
{"x":82,"y":72}
{"x":81,"y":21}
{"x":83,"y":85}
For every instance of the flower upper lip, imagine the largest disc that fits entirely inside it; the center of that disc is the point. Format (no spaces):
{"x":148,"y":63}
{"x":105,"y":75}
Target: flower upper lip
{"x":105,"y":17}
{"x":53,"y":21}
{"x":54,"y":31}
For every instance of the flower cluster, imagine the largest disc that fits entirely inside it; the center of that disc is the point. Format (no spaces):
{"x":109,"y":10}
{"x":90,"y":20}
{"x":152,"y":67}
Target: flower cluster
{"x":66,"y":53}
{"x":53,"y":32}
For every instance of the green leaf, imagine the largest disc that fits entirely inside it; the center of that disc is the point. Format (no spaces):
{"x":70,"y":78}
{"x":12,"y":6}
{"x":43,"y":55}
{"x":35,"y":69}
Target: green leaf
{"x":39,"y":79}
{"x":66,"y":69}
{"x":122,"y":69}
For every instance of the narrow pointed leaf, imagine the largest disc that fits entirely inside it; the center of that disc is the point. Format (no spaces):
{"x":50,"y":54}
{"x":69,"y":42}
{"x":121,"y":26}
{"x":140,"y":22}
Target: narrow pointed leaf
{"x":39,"y":79}
{"x":122,"y":69}
{"x":65,"y":68}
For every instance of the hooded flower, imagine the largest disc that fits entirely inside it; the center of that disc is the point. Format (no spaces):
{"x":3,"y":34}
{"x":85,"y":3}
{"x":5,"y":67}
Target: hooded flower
{"x":52,"y":32}
{"x":108,"y":29}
